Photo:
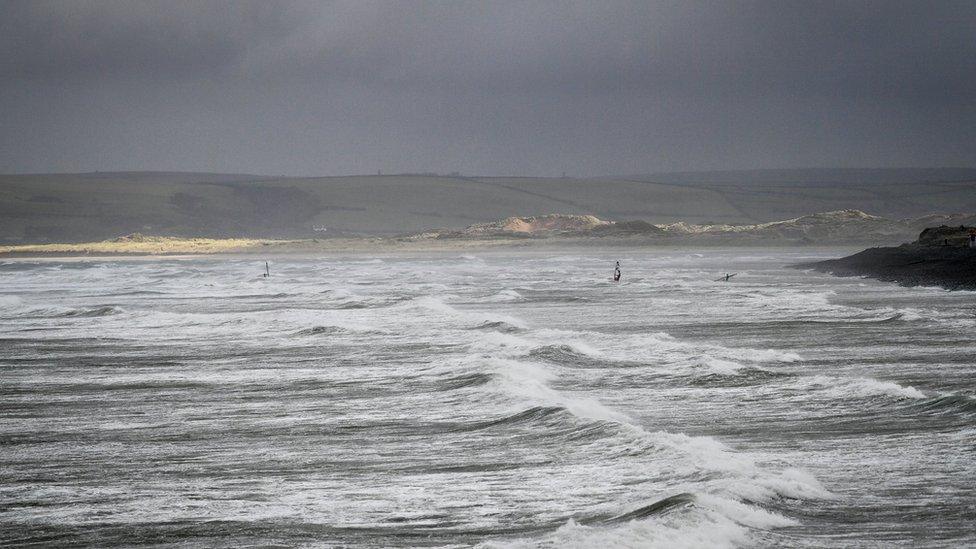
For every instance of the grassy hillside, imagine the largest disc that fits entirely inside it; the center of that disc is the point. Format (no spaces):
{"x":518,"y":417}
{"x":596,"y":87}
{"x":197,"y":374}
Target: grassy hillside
{"x":97,"y":206}
{"x":762,"y":195}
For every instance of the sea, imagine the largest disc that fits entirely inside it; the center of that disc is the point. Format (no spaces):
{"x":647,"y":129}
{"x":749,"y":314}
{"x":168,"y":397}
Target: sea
{"x":491,"y":399}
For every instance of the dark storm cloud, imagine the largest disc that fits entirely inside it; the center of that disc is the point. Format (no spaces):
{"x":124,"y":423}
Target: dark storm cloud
{"x":60,"y":40}
{"x":496,"y":87}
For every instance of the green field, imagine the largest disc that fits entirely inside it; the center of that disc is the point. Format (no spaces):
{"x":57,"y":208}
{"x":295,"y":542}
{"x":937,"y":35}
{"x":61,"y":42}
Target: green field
{"x":97,"y":206}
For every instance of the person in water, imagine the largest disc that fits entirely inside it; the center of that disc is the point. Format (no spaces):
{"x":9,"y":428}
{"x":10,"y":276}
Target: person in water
{"x":616,"y":272}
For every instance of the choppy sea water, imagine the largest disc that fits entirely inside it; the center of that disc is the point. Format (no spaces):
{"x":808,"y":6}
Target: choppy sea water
{"x":495,"y":400}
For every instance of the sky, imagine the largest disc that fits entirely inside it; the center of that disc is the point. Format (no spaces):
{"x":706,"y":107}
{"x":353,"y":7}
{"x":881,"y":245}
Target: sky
{"x":532,"y":88}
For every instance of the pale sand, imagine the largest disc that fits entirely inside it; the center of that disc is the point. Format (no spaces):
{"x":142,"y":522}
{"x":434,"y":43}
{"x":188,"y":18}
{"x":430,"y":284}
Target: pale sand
{"x":160,"y":246}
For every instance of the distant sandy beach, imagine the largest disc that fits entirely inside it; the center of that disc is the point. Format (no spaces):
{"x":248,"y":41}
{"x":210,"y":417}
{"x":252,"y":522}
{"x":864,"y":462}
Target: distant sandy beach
{"x":156,"y":247}
{"x":161,"y":246}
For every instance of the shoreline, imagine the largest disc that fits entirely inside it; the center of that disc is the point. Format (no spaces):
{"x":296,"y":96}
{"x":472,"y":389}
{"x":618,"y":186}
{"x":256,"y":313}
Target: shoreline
{"x":162,"y":247}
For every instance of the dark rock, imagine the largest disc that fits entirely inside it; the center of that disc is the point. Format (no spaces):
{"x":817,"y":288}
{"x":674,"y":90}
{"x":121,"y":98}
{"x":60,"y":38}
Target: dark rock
{"x":925,"y":262}
{"x":945,"y":236}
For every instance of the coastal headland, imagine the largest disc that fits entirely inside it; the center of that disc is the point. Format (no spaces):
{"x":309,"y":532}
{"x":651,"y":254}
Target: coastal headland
{"x":941,"y":256}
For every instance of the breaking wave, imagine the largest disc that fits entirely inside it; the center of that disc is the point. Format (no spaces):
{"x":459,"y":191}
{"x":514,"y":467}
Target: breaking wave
{"x":468,"y":380}
{"x":560,"y":411}
{"x":949,"y":404}
{"x":93,"y":312}
{"x":846,"y":388}
{"x":500,"y":326}
{"x":320,"y":330}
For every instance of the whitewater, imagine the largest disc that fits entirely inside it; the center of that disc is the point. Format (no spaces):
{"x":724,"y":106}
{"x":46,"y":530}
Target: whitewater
{"x":502,"y":399}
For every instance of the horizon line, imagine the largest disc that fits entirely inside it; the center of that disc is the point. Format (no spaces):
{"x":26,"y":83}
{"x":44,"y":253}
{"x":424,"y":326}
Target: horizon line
{"x":462,"y":175}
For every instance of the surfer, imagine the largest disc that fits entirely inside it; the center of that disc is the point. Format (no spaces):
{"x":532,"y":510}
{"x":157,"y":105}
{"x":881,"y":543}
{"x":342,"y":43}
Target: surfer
{"x":726,"y":277}
{"x":616,"y":272}
{"x":267,"y":270}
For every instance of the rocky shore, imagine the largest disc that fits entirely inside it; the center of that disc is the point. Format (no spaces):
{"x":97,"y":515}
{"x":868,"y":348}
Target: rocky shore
{"x":941,"y":257}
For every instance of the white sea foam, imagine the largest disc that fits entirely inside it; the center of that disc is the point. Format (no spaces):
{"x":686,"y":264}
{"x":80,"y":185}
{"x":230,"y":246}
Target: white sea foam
{"x":471,"y":318}
{"x":402,"y":389}
{"x":504,"y":296}
{"x":743,"y":513}
{"x":839,"y":387}
{"x":10,"y":302}
{"x":742,"y":478}
{"x":662,"y":349}
{"x":692,"y":530}
{"x":911,"y":314}
{"x":789,"y":483}
{"x":724,"y":367}
{"x":529,"y":382}
{"x":340,"y":293}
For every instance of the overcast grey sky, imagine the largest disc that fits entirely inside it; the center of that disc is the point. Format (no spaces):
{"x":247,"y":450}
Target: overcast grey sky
{"x":533,"y":88}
